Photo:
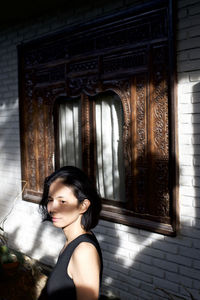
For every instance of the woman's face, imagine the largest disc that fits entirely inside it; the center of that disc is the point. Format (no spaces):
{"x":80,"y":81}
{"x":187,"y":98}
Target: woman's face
{"x":63,"y":206}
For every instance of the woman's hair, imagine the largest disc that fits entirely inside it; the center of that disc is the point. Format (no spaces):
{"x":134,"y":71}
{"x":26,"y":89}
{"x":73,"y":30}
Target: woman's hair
{"x":82,"y":188}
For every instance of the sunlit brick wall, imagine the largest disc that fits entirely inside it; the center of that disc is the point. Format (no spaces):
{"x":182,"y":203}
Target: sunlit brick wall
{"x":136,"y":262}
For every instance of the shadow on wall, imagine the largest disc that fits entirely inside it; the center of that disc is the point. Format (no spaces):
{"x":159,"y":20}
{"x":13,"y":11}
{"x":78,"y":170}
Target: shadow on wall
{"x":135,"y":260}
{"x":131,"y":258}
{"x":143,"y":265}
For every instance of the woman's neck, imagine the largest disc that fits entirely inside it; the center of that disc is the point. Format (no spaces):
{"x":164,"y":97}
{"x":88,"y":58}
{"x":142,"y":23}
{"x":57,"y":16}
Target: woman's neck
{"x":72,"y":233}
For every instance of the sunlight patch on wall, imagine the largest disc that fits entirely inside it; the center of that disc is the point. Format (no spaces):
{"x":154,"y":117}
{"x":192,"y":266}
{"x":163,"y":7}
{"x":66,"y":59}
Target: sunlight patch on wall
{"x":188,"y":108}
{"x":131,"y":244}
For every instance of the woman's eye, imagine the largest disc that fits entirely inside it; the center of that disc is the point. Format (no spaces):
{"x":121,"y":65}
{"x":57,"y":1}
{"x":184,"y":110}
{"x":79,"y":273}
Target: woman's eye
{"x":62,"y":201}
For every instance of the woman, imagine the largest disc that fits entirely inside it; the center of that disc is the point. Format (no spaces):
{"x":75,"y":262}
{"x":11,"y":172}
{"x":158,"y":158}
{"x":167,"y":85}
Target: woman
{"x":71,"y":202}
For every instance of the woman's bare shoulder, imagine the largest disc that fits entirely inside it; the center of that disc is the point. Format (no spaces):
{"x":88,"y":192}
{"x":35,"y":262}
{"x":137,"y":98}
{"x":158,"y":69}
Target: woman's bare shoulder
{"x":85,"y":249}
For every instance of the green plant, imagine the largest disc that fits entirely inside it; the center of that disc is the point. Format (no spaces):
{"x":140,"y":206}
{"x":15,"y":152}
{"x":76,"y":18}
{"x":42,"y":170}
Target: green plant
{"x":6,"y":255}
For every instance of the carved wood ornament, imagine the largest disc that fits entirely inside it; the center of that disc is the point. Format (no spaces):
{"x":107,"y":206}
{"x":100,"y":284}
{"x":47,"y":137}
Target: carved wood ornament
{"x":129,"y":54}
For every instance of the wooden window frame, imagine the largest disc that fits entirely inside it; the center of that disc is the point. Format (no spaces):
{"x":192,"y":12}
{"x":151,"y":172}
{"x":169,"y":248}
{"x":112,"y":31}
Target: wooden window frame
{"x":132,"y":54}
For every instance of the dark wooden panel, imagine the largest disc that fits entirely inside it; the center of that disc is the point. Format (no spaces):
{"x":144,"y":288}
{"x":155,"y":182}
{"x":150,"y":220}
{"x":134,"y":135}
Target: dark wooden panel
{"x":130,"y":53}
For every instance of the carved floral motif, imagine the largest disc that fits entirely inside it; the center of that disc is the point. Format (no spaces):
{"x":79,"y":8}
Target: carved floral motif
{"x":141,"y":140}
{"x":86,"y":62}
{"x":125,"y":61}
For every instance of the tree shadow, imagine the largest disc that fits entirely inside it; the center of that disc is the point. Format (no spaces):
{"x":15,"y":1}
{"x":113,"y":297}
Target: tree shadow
{"x":134,"y":259}
{"x":143,"y":265}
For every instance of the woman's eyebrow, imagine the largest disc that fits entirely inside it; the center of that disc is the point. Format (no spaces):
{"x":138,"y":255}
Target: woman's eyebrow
{"x":57,"y":197}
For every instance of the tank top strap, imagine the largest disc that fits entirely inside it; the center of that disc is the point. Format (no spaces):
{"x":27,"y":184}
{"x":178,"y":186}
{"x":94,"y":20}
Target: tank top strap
{"x":86,"y":237}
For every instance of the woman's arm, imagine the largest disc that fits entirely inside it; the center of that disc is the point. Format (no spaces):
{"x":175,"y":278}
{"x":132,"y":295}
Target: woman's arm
{"x":84,"y":268}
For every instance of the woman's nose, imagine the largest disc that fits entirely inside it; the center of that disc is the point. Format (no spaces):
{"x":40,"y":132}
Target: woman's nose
{"x":52,"y":207}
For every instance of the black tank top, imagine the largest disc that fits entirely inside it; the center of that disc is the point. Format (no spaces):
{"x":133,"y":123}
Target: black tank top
{"x":60,"y":285}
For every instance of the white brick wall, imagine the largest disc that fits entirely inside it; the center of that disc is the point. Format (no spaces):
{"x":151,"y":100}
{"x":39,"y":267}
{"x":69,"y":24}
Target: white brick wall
{"x":136,"y":262}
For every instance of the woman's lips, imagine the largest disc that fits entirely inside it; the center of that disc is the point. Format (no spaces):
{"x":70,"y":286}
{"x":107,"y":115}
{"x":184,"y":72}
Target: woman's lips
{"x":55,"y":219}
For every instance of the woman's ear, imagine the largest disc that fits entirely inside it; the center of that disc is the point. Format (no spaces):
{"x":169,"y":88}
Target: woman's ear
{"x":85,"y":205}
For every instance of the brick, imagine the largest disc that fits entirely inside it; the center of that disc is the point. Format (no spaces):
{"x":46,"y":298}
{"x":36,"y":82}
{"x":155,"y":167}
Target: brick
{"x":152,"y":270}
{"x":196,"y":263}
{"x":142,"y":258}
{"x":134,"y":247}
{"x":116,"y":267}
{"x":186,"y":3}
{"x":186,"y":160}
{"x":127,"y":296}
{"x":147,"y":287}
{"x":190,"y":232}
{"x":166,"y":285}
{"x":195,"y":140}
{"x":108,"y":272}
{"x":123,"y":253}
{"x":185,"y":139}
{"x":186,"y":180}
{"x":133,"y":282}
{"x":196,"y":204}
{"x":189,"y":22}
{"x":185,"y":211}
{"x":189,"y":191}
{"x":191,"y":273}
{"x":196,"y":285}
{"x":189,"y":252}
{"x":111,"y":240}
{"x":185,"y":98}
{"x":152,"y":252}
{"x":186,"y":201}
{"x":194,"y":9}
{"x":177,"y":278}
{"x":189,"y":129}
{"x":195,"y":98}
{"x":140,"y":275}
{"x":182,"y":13}
{"x":194,"y":54}
{"x":165,"y":247}
{"x":165,"y":265}
{"x":188,"y":89}
{"x":186,"y":109}
{"x":186,"y":45}
{"x":132,"y":230}
{"x":189,"y":65}
{"x":180,"y":260}
{"x":109,"y":256}
{"x":196,"y":244}
{"x":179,"y":240}
{"x":182,"y":56}
{"x":140,"y":240}
{"x":196,"y":181}
{"x":190,"y":171}
{"x":194,"y":76}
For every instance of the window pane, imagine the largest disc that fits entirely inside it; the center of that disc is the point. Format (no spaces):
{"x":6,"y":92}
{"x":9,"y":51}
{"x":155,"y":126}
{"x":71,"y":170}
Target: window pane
{"x":110,"y":164}
{"x":70,"y":133}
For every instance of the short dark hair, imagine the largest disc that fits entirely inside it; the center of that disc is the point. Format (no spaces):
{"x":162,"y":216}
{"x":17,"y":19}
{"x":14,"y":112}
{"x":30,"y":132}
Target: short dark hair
{"x":82,"y":187}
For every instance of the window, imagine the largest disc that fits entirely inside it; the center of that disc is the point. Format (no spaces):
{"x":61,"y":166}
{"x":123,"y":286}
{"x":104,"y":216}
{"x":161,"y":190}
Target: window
{"x":67,"y":126}
{"x":109,"y":146}
{"x":106,"y":103}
